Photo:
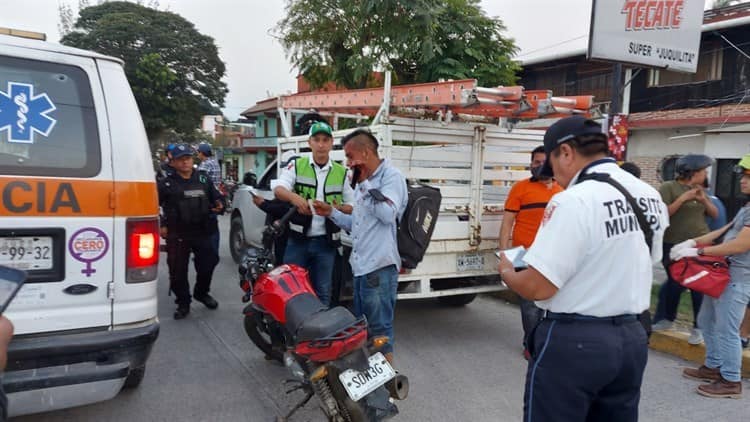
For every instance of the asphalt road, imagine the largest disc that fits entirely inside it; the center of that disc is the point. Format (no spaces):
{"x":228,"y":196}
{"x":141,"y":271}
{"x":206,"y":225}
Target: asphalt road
{"x":464,"y":364}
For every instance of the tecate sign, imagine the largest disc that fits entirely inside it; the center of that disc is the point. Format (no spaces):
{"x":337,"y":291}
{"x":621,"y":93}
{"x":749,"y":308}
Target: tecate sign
{"x":653,"y":33}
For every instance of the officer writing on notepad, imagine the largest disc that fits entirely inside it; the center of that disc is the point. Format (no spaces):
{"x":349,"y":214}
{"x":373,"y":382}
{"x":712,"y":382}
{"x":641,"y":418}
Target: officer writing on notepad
{"x":590,"y":270}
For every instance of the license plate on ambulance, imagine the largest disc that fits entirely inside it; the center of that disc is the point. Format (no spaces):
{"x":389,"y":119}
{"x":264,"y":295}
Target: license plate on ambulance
{"x":27,"y":252}
{"x":359,"y":384}
{"x":470,"y":262}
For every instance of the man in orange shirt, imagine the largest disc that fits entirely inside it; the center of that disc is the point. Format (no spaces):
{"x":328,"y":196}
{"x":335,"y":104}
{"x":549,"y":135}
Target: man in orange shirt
{"x":524,"y":209}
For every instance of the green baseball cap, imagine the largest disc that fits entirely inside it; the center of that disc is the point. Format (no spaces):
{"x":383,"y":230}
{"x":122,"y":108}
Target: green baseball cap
{"x":320,"y":127}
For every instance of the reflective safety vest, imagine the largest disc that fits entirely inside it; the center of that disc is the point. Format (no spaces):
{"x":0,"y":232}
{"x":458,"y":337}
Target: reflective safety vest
{"x":306,"y":186}
{"x":306,"y":182}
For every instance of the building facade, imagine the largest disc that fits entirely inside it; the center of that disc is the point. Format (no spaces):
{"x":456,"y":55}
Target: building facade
{"x":670,"y":113}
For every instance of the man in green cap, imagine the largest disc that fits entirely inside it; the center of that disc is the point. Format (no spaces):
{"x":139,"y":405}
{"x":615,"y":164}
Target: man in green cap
{"x":314,"y":240}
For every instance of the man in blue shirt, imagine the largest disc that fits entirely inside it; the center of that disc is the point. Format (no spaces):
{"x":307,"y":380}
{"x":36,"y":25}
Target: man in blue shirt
{"x":209,"y":164}
{"x":211,"y":167}
{"x":380,"y":199}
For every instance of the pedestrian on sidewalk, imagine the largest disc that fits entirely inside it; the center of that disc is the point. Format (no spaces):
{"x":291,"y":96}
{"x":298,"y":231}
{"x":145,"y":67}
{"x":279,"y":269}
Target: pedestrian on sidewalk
{"x":522,"y":215}
{"x":688,"y":206}
{"x":590,"y":269}
{"x":720,"y":318}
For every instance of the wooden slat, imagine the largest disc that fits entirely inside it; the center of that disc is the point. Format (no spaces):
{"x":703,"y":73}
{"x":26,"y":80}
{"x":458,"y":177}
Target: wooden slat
{"x":458,"y":154}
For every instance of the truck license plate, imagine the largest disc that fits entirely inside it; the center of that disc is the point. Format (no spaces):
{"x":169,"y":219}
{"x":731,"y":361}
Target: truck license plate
{"x":359,"y":384}
{"x":26,"y":252}
{"x":470,"y":262}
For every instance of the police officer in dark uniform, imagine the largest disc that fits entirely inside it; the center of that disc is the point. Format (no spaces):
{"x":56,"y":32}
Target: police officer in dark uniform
{"x":590,"y":270}
{"x":188,"y":197}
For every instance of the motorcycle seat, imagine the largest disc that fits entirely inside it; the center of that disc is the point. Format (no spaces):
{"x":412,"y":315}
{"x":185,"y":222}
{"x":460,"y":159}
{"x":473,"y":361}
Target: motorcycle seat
{"x":300,"y":308}
{"x":308,"y":319}
{"x":325,"y":324}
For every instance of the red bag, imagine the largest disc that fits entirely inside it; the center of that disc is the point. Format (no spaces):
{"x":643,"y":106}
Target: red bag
{"x":704,"y":274}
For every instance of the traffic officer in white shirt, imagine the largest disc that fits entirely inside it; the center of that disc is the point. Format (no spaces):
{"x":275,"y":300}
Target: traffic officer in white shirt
{"x":589,"y":268}
{"x":313,"y":240}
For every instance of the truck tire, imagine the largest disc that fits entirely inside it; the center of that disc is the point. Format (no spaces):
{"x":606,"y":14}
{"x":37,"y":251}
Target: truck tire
{"x":237,"y":244}
{"x":135,"y":376}
{"x":457,"y":300}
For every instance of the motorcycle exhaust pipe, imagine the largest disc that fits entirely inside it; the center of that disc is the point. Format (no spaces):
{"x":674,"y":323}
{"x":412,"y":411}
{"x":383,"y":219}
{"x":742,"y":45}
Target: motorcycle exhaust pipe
{"x":398,"y":387}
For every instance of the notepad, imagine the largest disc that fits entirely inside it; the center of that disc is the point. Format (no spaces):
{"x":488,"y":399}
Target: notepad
{"x":514,"y":255}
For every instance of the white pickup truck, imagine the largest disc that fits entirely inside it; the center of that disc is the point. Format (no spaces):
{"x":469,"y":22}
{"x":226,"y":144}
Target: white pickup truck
{"x":473,"y":165}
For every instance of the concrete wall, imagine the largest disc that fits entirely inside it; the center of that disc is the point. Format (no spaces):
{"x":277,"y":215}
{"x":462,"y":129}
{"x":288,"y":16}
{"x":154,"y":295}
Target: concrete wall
{"x":656,"y":143}
{"x":728,"y":145}
{"x":651,"y":143}
{"x":647,"y":148}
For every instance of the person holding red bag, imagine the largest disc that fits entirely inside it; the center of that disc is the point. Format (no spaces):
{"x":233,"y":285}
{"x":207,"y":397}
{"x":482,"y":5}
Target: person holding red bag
{"x":720,"y":318}
{"x":688,"y":206}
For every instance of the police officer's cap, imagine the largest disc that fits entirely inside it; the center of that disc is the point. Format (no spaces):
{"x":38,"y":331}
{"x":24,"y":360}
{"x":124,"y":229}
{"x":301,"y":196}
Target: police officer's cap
{"x":181,"y":150}
{"x":567,"y":129}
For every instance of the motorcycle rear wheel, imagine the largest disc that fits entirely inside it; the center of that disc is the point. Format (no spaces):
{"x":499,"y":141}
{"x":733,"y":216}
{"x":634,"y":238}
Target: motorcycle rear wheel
{"x":261,"y":337}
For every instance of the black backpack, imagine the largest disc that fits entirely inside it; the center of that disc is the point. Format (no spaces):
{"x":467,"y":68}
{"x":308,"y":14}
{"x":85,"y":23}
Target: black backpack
{"x":417,"y":224}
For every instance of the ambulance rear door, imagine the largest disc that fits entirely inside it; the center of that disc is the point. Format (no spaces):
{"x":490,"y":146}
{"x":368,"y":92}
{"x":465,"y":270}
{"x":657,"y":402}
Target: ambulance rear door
{"x":56,"y":188}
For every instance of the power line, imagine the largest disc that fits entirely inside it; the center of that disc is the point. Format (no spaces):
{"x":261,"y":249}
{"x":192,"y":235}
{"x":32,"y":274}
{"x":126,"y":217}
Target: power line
{"x":553,"y":45}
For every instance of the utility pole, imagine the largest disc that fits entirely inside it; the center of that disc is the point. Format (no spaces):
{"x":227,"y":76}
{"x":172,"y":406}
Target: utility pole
{"x":616,"y":104}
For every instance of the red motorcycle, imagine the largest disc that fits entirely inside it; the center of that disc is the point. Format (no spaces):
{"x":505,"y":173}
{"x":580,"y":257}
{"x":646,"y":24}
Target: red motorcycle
{"x":326,"y":350}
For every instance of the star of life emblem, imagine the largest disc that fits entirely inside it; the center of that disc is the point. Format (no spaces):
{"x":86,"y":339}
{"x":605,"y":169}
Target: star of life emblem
{"x":22,"y":113}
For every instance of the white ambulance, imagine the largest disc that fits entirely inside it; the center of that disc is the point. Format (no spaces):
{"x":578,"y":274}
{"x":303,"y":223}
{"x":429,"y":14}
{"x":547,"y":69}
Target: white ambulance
{"x":78,"y":212}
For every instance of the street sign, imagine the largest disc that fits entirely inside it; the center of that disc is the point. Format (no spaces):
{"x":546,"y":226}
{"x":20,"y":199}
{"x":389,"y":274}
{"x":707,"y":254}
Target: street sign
{"x":654,"y":33}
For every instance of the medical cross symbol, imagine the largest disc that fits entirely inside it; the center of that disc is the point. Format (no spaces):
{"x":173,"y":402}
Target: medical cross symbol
{"x":22,"y":113}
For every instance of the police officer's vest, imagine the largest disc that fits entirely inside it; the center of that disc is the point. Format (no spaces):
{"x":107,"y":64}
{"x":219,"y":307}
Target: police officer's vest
{"x":193,"y":207}
{"x":306,"y":186}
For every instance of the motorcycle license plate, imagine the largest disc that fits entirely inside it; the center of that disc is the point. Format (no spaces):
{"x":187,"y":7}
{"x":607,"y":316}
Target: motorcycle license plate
{"x":359,"y":384}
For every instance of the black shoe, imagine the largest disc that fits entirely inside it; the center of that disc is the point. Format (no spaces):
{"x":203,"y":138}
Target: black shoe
{"x":207,"y":300}
{"x":181,"y":312}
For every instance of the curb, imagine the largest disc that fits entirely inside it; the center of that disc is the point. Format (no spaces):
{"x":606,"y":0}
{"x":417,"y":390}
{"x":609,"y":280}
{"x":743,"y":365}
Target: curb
{"x":675,"y":343}
{"x":670,"y":342}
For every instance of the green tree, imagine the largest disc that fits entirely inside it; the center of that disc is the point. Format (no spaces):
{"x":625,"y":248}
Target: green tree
{"x":174,"y":70}
{"x":344,"y":41}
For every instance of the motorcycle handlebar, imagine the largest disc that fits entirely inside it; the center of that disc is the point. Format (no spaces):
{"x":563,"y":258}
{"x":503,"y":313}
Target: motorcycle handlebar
{"x":285,"y":219}
{"x":280,"y":223}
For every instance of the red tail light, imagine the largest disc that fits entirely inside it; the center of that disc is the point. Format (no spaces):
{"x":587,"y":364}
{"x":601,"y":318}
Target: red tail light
{"x":143,"y":250}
